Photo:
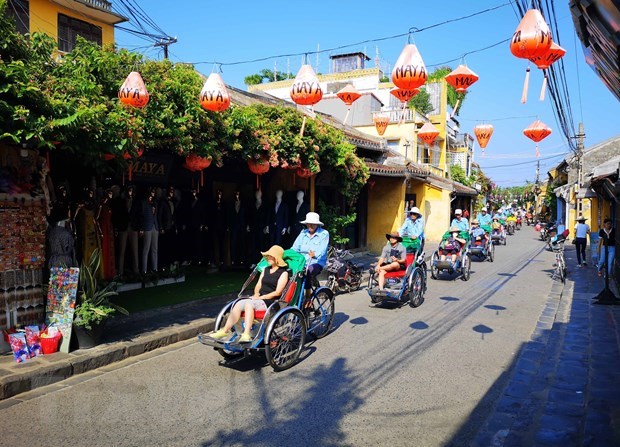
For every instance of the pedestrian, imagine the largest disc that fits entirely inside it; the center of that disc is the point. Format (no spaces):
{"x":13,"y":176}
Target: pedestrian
{"x":607,"y":241}
{"x":581,"y":240}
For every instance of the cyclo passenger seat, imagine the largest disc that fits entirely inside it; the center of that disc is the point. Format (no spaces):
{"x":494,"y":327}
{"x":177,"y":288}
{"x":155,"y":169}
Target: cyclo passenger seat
{"x":401,"y":273}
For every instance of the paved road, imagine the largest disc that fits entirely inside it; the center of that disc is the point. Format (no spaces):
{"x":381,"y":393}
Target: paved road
{"x":423,"y":377}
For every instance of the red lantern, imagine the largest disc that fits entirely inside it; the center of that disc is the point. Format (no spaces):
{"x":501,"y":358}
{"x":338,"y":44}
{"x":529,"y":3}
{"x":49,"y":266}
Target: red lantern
{"x":409,"y":71}
{"x":258,"y":167}
{"x":428,"y":133}
{"x":108,"y":157}
{"x":304,"y":172}
{"x":127,"y":155}
{"x":306,"y":90}
{"x":537,"y":131}
{"x":404,"y":95}
{"x":348,"y":95}
{"x":133,"y":91}
{"x":461,"y":78}
{"x":483,"y":134}
{"x":381,"y":123}
{"x":531,"y":39}
{"x":214,"y":95}
{"x":543,"y":62}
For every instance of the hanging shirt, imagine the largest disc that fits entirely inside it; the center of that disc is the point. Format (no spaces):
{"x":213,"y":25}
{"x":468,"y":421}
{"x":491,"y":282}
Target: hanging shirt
{"x":317,"y":243}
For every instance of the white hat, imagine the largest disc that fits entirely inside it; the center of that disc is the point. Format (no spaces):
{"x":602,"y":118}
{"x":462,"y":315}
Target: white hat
{"x":484,"y":209}
{"x":458,"y":211}
{"x":415,"y":210}
{"x":312,"y":218}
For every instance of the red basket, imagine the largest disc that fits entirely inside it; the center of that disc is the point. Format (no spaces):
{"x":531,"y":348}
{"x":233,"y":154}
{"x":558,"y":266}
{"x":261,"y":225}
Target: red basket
{"x":49,"y":345}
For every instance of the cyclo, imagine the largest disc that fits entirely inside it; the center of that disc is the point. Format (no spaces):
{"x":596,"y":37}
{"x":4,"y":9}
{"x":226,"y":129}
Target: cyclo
{"x":498,"y":235}
{"x":511,"y":222}
{"x":462,"y":264}
{"x":402,"y":285}
{"x":482,"y":248}
{"x":281,"y":331}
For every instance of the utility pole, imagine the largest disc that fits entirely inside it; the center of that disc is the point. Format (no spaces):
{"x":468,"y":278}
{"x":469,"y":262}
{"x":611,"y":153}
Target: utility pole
{"x":580,"y":137}
{"x":165,"y":43}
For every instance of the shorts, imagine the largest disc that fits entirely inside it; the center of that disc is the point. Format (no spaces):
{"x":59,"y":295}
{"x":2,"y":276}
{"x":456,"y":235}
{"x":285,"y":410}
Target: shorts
{"x":402,"y":266}
{"x":450,"y":251}
{"x":257,"y":304}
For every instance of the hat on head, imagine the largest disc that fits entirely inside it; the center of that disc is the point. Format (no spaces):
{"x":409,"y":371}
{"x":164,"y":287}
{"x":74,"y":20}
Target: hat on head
{"x":581,"y":219}
{"x":474,"y":222}
{"x":458,"y":211}
{"x":312,"y":218}
{"x":395,"y":235}
{"x":453,"y":229}
{"x":415,"y":210}
{"x":484,"y":209}
{"x":277,"y":253}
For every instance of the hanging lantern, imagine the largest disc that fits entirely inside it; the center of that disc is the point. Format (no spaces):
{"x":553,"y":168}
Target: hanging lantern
{"x":409,"y":71}
{"x":483,"y":134}
{"x":196,"y":163}
{"x":348,"y":94}
{"x":404,"y":95}
{"x":214,"y":95}
{"x":258,"y":167}
{"x":133,"y":91}
{"x":461,"y":78}
{"x":381,"y":123}
{"x":428,"y":133}
{"x":304,"y":172}
{"x":306,"y":90}
{"x":531,"y":39}
{"x":537,"y":131}
{"x":543,"y":62}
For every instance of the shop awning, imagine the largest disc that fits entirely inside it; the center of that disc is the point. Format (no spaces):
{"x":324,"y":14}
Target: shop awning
{"x":409,"y":171}
{"x":563,"y":192}
{"x":586,"y":193}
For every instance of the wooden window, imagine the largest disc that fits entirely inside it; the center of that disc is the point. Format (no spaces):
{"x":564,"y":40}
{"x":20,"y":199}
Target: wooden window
{"x":69,"y":28}
{"x":20,"y":11}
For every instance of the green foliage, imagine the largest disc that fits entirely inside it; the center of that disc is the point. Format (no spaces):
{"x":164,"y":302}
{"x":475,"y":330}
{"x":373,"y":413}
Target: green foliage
{"x":93,"y":302}
{"x":440,"y":74}
{"x":336,"y":223}
{"x":421,"y":102}
{"x":266,"y":75}
{"x":457,"y":173}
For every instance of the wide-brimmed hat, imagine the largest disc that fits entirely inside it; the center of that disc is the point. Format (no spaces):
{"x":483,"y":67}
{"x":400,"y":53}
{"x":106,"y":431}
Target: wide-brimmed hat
{"x":276,"y":252}
{"x":483,"y":210}
{"x":581,"y":219}
{"x":453,"y":229}
{"x":458,"y":211}
{"x":415,"y":210}
{"x":312,"y":218}
{"x":475,"y":222}
{"x":394,"y":235}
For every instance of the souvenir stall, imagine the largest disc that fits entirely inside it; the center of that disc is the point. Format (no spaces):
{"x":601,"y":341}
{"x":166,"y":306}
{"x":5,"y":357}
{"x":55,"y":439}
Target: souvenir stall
{"x":23,"y":209}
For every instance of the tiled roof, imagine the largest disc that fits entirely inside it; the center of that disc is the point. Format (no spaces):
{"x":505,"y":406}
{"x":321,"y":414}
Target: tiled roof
{"x":396,"y":171}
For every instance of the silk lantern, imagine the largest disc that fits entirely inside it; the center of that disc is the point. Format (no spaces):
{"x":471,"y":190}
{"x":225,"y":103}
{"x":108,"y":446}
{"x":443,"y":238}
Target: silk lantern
{"x":409,"y":71}
{"x":381,"y":123}
{"x":483,"y":134}
{"x":258,"y":167}
{"x":306,"y":90}
{"x":348,"y":94}
{"x":428,"y":133}
{"x":214,"y":95}
{"x":531,"y":39}
{"x":543,"y":62}
{"x":403,"y":95}
{"x":133,"y":91}
{"x":537,"y":131}
{"x":461,"y":78}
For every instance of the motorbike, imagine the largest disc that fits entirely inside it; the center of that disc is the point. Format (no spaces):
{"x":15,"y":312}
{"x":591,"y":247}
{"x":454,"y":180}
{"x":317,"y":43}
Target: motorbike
{"x":547,"y":232}
{"x":519,"y":223}
{"x":529,"y":219}
{"x":344,"y":275}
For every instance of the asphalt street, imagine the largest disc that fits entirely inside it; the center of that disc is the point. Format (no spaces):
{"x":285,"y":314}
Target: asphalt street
{"x":385,"y":376}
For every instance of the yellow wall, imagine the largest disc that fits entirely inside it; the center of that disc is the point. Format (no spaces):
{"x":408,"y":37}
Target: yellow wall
{"x":44,"y":19}
{"x":386,"y":199}
{"x":436,"y":210}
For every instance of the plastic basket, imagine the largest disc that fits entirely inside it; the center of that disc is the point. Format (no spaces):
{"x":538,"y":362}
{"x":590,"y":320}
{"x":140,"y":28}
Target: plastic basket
{"x":49,"y":345}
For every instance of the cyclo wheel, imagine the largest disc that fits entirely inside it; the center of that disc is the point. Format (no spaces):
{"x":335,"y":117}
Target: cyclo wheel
{"x":465,"y":268}
{"x":434,"y":270}
{"x":355,"y":282}
{"x":322,"y":313}
{"x":285,"y":339}
{"x":219,"y":323}
{"x":416,"y":288}
{"x":492,"y":253}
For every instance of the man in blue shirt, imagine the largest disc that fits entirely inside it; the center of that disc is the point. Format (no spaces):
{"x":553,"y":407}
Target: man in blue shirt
{"x":312,"y":242}
{"x":484,"y":218}
{"x":459,"y":221}
{"x":413,"y":227}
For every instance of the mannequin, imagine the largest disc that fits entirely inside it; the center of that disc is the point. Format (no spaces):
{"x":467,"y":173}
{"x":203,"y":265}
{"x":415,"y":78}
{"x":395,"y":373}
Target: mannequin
{"x":84,"y":217}
{"x":60,"y":240}
{"x":126,"y":220}
{"x":257,"y":223}
{"x":149,"y":230}
{"x":219,"y":227}
{"x":166,"y":216}
{"x":298,"y":214}
{"x":195,"y":224}
{"x":238,"y":229}
{"x":106,"y":233}
{"x":278,"y":220}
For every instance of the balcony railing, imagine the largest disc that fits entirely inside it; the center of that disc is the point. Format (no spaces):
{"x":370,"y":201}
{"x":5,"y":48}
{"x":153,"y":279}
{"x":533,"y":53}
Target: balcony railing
{"x":99,"y":4}
{"x":399,"y":115}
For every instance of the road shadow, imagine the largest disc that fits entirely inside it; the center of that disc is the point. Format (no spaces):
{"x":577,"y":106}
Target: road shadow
{"x":339,"y":319}
{"x":313,"y":417}
{"x":419,"y":325}
{"x":448,"y":299}
{"x":494,"y":307}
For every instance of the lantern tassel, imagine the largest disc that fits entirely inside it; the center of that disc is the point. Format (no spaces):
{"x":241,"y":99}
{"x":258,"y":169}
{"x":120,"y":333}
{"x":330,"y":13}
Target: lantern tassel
{"x":402,"y":114}
{"x":129,"y":173}
{"x":543,"y":89}
{"x":47,"y":160}
{"x":537,"y":151}
{"x":525,"y":86}
{"x":202,"y":179}
{"x":456,"y":107}
{"x":346,"y":116}
{"x":303,"y":127}
{"x":483,"y":152}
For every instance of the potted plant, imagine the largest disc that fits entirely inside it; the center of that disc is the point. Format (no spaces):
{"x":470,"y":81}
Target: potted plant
{"x":93,"y":306}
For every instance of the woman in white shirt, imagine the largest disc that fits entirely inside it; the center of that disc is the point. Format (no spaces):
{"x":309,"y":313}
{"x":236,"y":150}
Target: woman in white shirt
{"x":581,"y":239}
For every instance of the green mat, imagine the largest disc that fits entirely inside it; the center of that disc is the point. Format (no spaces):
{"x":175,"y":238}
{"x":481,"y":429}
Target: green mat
{"x":462,"y":235}
{"x":295,"y":261}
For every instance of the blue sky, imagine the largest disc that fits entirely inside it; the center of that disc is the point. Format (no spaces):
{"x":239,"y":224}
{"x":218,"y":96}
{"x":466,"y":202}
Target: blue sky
{"x":241,"y":31}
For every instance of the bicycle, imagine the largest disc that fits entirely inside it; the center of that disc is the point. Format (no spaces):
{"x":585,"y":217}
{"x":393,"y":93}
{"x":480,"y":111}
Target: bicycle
{"x":560,"y":263}
{"x":344,"y":275}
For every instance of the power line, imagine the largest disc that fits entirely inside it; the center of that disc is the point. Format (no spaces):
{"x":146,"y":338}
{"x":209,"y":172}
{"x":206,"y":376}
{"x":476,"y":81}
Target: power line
{"x":522,"y":163}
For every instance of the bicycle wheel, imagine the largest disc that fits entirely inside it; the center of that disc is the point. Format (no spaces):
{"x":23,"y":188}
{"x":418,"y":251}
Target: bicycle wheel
{"x":322,"y":313}
{"x":416,"y":288}
{"x":466,"y":268}
{"x":286,"y":336}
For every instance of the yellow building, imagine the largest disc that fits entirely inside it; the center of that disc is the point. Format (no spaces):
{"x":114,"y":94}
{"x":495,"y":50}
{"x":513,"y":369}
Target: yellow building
{"x":64,"y":20}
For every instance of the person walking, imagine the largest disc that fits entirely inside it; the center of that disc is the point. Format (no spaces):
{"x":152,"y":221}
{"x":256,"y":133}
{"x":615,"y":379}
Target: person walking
{"x":581,"y":240}
{"x":606,"y":241}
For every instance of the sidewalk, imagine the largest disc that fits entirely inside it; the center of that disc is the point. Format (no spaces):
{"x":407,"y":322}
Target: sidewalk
{"x":564,"y":387}
{"x":125,"y":336}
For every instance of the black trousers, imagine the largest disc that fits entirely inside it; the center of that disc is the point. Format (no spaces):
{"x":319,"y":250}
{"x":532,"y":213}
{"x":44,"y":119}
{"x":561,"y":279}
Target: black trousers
{"x":580,"y":245}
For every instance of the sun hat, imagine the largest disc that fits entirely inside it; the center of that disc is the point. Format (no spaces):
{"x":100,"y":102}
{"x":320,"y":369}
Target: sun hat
{"x":581,"y":219}
{"x":474,"y":222}
{"x":458,"y":211}
{"x":453,"y":229}
{"x":394,"y":235}
{"x":484,"y":209}
{"x":275,"y":252}
{"x":415,"y":210}
{"x":312,"y":218}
